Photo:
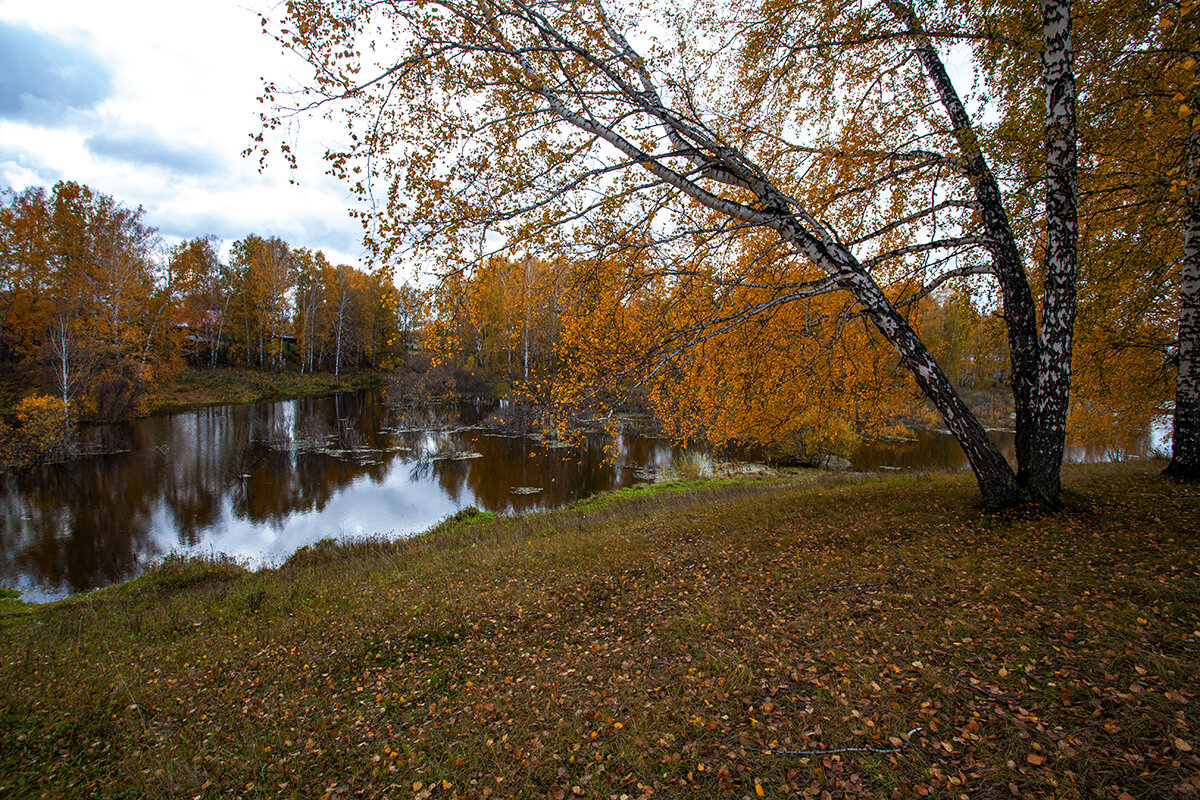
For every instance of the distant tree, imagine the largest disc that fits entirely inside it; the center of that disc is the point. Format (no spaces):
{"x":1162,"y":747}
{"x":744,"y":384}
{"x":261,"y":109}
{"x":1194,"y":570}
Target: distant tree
{"x":262,"y":276}
{"x":195,"y":266}
{"x":26,"y":246}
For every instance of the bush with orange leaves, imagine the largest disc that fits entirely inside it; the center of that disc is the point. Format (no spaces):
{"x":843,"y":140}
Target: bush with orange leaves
{"x":43,"y":433}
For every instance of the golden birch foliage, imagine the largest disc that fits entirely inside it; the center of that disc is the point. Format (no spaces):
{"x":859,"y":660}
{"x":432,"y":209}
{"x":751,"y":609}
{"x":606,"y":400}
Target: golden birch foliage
{"x":688,"y":354}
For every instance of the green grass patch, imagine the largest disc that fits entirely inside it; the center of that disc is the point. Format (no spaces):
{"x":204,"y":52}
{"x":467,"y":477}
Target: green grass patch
{"x":796,"y":635}
{"x":643,"y":491}
{"x":199,"y":387}
{"x":178,"y":571}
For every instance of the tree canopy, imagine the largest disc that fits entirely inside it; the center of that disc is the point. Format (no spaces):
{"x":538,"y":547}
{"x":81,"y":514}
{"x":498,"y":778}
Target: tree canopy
{"x":767,"y":179}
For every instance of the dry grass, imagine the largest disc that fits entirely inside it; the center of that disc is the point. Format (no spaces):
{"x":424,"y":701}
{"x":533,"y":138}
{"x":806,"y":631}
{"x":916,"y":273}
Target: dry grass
{"x":200,"y":387}
{"x":878,"y":638}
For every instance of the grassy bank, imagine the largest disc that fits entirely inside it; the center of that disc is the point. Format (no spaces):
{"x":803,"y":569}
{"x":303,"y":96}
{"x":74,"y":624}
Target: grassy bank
{"x":200,"y":387}
{"x":876,"y":638}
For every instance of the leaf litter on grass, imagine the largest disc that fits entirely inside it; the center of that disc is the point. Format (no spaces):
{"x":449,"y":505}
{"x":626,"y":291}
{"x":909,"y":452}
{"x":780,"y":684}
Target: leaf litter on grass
{"x":762,"y":638}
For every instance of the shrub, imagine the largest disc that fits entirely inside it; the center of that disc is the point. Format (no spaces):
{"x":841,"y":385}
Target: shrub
{"x":112,"y":396}
{"x":43,"y":432}
{"x":810,"y":445}
{"x":178,"y":571}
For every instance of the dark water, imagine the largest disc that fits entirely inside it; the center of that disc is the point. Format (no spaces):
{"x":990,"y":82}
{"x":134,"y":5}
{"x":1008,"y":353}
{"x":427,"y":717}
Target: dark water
{"x":260,"y":481}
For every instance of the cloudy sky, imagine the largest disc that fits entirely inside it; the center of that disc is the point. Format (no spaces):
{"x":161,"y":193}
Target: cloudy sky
{"x":152,"y":102}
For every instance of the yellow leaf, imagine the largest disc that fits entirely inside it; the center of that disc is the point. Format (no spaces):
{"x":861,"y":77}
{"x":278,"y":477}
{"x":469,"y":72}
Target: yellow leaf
{"x":758,"y":790}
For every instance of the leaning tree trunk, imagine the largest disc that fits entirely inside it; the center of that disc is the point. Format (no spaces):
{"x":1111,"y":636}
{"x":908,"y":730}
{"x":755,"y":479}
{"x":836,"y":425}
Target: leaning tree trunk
{"x":1185,"y":452}
{"x":997,"y":482}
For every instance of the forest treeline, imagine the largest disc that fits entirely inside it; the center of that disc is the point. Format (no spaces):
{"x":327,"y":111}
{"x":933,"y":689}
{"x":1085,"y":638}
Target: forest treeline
{"x":96,"y":314}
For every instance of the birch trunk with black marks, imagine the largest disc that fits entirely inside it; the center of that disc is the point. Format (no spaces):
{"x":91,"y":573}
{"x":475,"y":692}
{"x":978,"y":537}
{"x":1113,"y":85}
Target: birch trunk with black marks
{"x":1041,"y":471}
{"x":1020,"y":314}
{"x":1040,"y":365}
{"x":1185,"y":451}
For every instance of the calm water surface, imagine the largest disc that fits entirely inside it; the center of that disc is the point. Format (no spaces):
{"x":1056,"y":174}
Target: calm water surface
{"x":260,"y":481}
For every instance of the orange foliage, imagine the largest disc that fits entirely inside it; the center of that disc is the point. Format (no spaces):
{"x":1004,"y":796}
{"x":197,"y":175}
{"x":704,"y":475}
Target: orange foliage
{"x":43,"y":432}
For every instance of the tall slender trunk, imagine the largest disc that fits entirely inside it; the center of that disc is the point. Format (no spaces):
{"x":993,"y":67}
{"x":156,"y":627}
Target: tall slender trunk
{"x":1041,"y":475}
{"x":220,"y":330}
{"x":337,"y":358}
{"x":1020,"y":315}
{"x":246,"y":320}
{"x":1040,"y":365}
{"x":1185,"y":451}
{"x":528,"y":308}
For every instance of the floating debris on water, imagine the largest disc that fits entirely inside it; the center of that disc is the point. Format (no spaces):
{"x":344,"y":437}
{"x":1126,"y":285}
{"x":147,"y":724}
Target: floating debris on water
{"x":457,"y":456}
{"x":526,"y":489}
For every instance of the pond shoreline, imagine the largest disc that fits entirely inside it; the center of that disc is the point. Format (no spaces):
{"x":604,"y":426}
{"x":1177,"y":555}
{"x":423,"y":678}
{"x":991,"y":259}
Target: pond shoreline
{"x":201,"y":388}
{"x":258,"y":481}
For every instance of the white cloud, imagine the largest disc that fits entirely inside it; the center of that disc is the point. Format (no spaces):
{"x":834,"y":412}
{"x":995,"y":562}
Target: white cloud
{"x":153,"y":105}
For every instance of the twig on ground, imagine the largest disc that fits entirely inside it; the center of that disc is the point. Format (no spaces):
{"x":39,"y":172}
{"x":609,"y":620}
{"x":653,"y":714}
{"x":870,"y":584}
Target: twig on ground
{"x":842,"y":587}
{"x":839,"y":750}
{"x":980,"y":689}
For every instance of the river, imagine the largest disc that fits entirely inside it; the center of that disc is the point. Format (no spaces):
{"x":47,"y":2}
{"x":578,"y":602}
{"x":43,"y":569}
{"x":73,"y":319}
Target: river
{"x":259,"y":481}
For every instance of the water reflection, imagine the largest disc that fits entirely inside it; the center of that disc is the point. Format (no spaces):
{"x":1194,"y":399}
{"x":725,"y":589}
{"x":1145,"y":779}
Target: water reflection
{"x":260,"y":481}
{"x":938,"y":450}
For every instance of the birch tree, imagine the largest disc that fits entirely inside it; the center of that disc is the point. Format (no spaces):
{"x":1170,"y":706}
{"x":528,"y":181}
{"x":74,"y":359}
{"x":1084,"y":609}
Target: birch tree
{"x":662,"y":138}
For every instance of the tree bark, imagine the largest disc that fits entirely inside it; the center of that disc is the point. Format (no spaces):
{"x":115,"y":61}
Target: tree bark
{"x":1020,"y":315}
{"x":1040,"y":365}
{"x":1185,"y":450}
{"x":1041,"y":472}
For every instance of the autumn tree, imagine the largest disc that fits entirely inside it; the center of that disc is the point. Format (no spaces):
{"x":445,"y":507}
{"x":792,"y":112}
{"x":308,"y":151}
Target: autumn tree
{"x":203,"y":296}
{"x":262,"y":277}
{"x":25,"y":258}
{"x":410,"y":319}
{"x":85,"y":295}
{"x":1168,"y":60}
{"x":1135,"y":68}
{"x":585,"y":130}
{"x":502,"y":318}
{"x":382,"y":318}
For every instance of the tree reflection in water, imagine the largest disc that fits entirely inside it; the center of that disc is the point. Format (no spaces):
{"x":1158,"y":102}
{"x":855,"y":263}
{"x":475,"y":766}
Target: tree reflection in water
{"x":260,"y":481}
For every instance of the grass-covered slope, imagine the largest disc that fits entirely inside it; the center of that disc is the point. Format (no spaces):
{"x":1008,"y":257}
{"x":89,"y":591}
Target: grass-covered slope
{"x":201,"y":387}
{"x":878,"y":638}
